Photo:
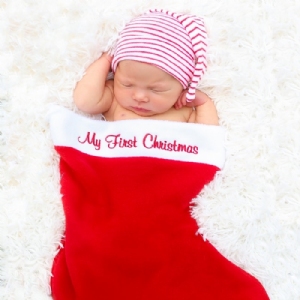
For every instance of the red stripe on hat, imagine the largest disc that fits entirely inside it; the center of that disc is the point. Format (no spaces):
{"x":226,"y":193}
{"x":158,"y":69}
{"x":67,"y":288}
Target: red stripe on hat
{"x":184,"y":42}
{"x":159,"y":62}
{"x":157,"y":47}
{"x":184,"y":54}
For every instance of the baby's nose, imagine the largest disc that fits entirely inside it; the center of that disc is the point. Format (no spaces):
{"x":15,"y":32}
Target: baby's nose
{"x":140,"y":96}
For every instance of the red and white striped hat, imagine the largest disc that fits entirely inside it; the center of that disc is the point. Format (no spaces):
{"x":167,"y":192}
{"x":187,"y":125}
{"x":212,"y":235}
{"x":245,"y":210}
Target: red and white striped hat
{"x":175,"y":43}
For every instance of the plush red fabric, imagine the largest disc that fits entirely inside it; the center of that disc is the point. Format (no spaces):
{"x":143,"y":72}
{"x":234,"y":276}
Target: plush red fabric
{"x":130,"y":235}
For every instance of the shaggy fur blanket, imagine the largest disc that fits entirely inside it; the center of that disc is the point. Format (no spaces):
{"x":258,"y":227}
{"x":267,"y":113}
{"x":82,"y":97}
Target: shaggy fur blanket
{"x":250,"y":212}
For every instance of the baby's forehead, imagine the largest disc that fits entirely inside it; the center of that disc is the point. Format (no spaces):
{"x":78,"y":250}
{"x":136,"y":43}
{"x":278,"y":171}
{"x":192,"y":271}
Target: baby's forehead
{"x":137,"y":68}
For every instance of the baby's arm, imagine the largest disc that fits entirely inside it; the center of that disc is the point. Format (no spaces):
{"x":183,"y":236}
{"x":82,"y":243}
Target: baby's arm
{"x":205,"y":110}
{"x":93,"y":94}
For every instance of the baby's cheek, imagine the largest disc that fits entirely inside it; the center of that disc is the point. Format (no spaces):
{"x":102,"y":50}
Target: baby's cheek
{"x":119,"y":94}
{"x":166,"y":102}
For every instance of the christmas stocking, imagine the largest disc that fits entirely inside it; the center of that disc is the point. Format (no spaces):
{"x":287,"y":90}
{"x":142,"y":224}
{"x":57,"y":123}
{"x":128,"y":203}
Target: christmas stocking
{"x":126,"y":189}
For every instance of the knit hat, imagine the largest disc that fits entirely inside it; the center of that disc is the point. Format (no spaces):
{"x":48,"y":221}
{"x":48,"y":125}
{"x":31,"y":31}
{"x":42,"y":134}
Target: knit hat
{"x":175,"y":43}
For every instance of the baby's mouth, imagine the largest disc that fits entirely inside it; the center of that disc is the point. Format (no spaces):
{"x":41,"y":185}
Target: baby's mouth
{"x":140,"y":109}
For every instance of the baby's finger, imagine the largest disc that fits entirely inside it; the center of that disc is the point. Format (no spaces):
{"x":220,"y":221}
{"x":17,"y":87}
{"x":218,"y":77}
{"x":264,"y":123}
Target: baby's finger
{"x":177,"y":105}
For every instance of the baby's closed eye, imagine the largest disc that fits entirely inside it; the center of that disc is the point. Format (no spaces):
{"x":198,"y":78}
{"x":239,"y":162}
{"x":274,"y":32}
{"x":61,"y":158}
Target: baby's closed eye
{"x":126,"y":85}
{"x":158,"y":90}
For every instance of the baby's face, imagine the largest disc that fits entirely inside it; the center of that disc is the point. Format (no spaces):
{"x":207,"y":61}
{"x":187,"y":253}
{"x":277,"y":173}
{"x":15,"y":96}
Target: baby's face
{"x":145,"y":89}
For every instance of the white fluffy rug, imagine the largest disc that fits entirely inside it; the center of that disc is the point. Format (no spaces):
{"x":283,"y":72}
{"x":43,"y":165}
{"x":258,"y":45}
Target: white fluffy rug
{"x":251,"y":212}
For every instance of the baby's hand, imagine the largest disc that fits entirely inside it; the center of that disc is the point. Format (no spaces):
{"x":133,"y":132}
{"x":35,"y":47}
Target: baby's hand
{"x":199,"y":100}
{"x":107,"y":56}
{"x":181,"y":101}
